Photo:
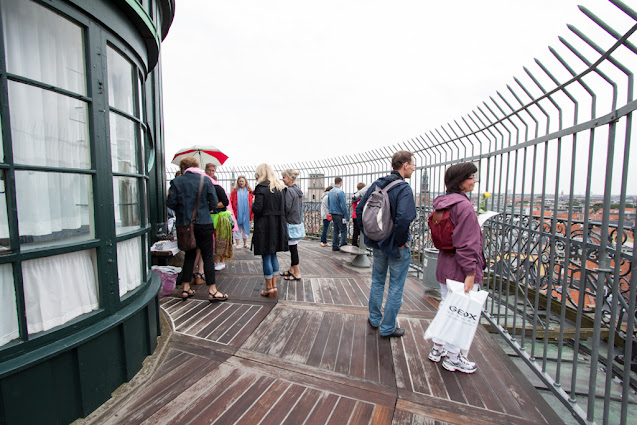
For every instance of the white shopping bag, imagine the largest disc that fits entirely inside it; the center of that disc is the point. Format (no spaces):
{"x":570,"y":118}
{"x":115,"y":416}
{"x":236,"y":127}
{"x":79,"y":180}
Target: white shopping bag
{"x":458,"y":316}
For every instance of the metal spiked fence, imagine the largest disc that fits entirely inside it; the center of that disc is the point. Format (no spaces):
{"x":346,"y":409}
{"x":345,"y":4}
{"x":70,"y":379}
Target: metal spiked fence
{"x":554,"y":152}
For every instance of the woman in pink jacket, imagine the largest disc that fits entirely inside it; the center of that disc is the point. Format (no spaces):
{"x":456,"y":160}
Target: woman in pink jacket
{"x":468,"y":262}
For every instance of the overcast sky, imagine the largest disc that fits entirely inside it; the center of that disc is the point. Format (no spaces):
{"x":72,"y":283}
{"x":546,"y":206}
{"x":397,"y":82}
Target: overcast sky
{"x":280,"y":81}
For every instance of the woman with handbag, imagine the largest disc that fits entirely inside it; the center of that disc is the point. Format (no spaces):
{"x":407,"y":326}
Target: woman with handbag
{"x":294,"y":219}
{"x":241,"y":200}
{"x":192,"y":196}
{"x":325,"y":215}
{"x":270,"y":232}
{"x":467,"y":262}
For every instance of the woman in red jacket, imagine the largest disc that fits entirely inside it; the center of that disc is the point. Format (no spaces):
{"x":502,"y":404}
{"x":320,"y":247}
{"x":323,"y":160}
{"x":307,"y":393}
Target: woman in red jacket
{"x":241,"y":201}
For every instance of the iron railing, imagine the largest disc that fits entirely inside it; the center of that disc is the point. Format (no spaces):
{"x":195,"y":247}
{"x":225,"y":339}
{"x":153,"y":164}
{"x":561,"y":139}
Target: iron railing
{"x":553,"y":150}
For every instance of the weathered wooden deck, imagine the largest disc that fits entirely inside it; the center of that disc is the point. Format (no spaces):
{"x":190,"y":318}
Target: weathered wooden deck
{"x":309,"y":357}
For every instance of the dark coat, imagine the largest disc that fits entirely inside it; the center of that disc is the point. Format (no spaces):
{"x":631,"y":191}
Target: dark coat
{"x":270,"y":229}
{"x":466,"y":238}
{"x":182,"y":197}
{"x":403,"y":211}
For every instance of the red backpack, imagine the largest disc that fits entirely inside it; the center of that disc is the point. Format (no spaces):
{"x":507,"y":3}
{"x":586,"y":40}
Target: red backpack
{"x":441,"y":229}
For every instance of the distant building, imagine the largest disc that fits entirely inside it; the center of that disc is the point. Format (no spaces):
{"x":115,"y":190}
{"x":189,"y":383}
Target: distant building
{"x":316,"y":186}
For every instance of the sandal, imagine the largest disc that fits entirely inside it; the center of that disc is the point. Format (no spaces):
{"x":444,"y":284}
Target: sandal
{"x":200,"y":278}
{"x":266,"y":292}
{"x":273,"y":292}
{"x":291,"y":277}
{"x":215,"y":298}
{"x":284,"y":274}
{"x":189,"y":293}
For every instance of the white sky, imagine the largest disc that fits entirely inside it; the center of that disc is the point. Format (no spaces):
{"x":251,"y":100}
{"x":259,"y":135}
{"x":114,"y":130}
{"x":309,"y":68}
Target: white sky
{"x":281,"y":81}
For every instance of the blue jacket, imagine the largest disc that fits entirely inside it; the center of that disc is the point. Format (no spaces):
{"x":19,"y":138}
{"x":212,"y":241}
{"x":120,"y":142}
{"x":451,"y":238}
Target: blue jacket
{"x":337,"y":203}
{"x":403,"y":211}
{"x":182,"y":196}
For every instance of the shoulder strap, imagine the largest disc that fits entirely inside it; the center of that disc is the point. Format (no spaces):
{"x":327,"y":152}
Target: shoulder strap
{"x":194,"y":211}
{"x":391,"y":185}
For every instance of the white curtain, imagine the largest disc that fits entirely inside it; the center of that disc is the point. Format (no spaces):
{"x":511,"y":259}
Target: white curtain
{"x":43,"y":45}
{"x":126,"y":202}
{"x":53,"y":202}
{"x":48,"y":129}
{"x":4,"y":218}
{"x":120,"y":81}
{"x":129,"y":264}
{"x":59,"y":288}
{"x":8,"y":311}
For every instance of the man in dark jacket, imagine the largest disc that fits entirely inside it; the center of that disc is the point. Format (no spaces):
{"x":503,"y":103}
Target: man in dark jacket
{"x":393,"y":252}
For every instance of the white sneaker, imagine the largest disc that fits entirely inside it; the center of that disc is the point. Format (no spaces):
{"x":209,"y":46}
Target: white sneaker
{"x":220,"y":266}
{"x":437,"y":353}
{"x":461,"y":364}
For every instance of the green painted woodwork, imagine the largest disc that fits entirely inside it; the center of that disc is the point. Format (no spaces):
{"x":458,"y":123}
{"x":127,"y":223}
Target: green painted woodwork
{"x":72,"y":369}
{"x":84,"y":369}
{"x":141,"y":12}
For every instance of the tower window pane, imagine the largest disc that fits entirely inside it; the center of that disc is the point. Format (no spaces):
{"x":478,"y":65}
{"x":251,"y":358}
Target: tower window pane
{"x":43,"y":46}
{"x":47,"y":128}
{"x":126,"y":199}
{"x":123,"y":144}
{"x":59,"y":288}
{"x":129,"y":264}
{"x":8,"y":311}
{"x":53,"y":208}
{"x":120,"y":81}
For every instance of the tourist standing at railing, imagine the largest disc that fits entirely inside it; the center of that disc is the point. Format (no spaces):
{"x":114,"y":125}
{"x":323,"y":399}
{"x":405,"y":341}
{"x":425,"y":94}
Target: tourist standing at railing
{"x":294,"y":219}
{"x":241,"y":200}
{"x":325,"y":215}
{"x":182,"y":198}
{"x":270,"y":231}
{"x":468,"y":262}
{"x":355,"y":200}
{"x":392,"y":253}
{"x":340,"y":214}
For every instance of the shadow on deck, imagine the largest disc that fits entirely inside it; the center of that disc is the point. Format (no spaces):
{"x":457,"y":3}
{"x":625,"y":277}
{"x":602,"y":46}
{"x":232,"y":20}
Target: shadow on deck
{"x":311,"y":358}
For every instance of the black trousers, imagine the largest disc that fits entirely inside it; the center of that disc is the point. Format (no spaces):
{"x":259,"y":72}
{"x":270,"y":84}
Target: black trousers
{"x":356,"y":233}
{"x":203,"y":236}
{"x":294,"y":254}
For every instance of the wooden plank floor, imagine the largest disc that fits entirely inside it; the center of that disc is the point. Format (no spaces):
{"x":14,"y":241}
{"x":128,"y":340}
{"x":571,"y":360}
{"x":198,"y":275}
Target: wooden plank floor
{"x":309,"y":357}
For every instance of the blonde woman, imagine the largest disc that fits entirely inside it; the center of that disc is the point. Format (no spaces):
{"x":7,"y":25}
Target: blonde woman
{"x":270,"y":233}
{"x":294,"y":219}
{"x":241,"y":200}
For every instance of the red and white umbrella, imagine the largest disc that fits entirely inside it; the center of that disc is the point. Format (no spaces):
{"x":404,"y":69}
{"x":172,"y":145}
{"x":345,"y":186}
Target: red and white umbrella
{"x":203,"y":154}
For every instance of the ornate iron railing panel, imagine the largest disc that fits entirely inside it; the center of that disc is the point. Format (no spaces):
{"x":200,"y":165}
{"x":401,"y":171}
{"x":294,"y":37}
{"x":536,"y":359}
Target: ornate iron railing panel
{"x":554,"y":151}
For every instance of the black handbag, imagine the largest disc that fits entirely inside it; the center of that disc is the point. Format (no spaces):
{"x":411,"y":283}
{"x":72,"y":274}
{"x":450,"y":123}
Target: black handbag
{"x":186,"y":233}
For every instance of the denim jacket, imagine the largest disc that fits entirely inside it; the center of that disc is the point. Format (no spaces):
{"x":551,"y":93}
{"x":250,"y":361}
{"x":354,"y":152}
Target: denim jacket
{"x":337,"y":203}
{"x":182,"y":196}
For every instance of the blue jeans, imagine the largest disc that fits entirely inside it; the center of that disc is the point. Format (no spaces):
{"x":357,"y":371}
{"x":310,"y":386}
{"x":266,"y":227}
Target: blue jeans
{"x":270,"y":265}
{"x":326,"y":225}
{"x":398,"y":268}
{"x":339,"y":227}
